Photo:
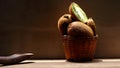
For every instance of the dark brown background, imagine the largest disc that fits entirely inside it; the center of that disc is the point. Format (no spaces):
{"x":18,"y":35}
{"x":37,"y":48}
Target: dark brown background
{"x":31,"y":26}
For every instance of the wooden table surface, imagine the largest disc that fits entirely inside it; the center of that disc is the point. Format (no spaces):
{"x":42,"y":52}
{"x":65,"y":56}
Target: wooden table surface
{"x":97,"y":63}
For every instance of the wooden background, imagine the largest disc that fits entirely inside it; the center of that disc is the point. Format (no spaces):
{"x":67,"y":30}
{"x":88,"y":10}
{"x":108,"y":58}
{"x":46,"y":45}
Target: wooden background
{"x":31,"y":26}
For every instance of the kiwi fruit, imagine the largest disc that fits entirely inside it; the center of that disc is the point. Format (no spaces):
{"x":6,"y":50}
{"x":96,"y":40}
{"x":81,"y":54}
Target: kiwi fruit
{"x":78,"y":28}
{"x":77,"y":13}
{"x":90,"y":22}
{"x":63,"y":23}
{"x":76,"y":23}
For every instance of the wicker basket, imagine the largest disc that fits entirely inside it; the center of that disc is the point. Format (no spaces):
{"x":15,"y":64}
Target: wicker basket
{"x":79,"y":48}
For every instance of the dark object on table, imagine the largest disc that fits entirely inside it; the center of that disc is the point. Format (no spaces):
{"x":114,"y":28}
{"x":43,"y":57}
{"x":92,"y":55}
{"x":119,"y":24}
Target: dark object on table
{"x":15,"y":58}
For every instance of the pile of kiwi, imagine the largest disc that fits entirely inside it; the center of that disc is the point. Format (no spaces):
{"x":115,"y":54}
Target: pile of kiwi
{"x":76,"y":23}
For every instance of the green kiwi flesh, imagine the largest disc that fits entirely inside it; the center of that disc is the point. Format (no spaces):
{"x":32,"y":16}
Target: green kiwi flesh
{"x":78,"y":12}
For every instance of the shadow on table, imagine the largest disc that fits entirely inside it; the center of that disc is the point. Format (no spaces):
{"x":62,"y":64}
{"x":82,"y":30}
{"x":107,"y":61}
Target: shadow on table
{"x":93,"y":61}
{"x":1,"y":65}
{"x":97,"y":60}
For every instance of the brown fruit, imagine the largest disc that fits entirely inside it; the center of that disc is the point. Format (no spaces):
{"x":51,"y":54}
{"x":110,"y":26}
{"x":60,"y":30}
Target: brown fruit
{"x":63,"y":23}
{"x":91,"y":23}
{"x":79,"y":29}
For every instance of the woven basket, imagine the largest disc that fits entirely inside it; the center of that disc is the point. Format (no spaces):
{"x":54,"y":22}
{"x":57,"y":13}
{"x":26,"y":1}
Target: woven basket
{"x":79,"y":48}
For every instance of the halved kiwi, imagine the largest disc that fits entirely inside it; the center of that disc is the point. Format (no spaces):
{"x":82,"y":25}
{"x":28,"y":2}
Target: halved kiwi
{"x":77,"y":12}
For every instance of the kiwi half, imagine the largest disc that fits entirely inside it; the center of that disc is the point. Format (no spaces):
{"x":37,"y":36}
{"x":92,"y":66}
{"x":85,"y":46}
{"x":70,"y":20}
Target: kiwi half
{"x":77,"y":12}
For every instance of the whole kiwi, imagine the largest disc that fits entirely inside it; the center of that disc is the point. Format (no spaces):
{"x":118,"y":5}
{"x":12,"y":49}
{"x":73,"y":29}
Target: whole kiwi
{"x":90,"y":22}
{"x":80,"y":29}
{"x":63,"y":23}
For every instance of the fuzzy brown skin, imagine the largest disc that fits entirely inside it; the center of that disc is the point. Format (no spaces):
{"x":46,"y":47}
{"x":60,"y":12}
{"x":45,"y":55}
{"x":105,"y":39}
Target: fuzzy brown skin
{"x":79,"y":29}
{"x":84,"y":26}
{"x":90,"y":22}
{"x":63,"y":23}
{"x":15,"y":58}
